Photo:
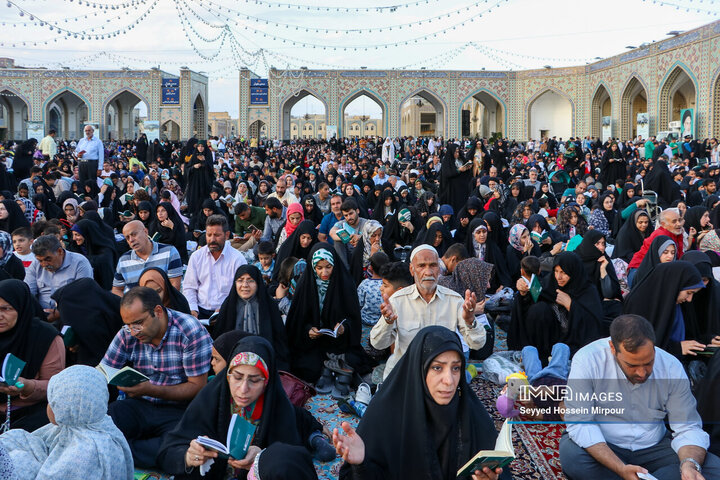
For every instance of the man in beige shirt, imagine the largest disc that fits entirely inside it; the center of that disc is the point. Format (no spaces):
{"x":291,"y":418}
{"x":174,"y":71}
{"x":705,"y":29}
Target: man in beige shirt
{"x":47,"y":146}
{"x":423,"y":304}
{"x":281,"y":192}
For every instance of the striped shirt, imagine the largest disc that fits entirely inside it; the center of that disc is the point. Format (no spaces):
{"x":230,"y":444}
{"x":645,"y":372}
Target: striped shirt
{"x":184,"y":351}
{"x":130,"y":266}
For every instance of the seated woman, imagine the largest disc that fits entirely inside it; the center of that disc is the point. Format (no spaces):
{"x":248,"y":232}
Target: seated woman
{"x":571,"y":222}
{"x":157,"y":279}
{"x":197,"y":223}
{"x":632,"y":234}
{"x":659,"y":298}
{"x":602,"y":216}
{"x":602,"y":276}
{"x":94,"y":315}
{"x":697,"y":225}
{"x":34,"y":341}
{"x":662,"y":250}
{"x":250,"y":387}
{"x":297,"y":245}
{"x":479,"y":245}
{"x":325,"y":297}
{"x":399,"y":231}
{"x":170,"y":229}
{"x":89,"y":241}
{"x":250,"y":308}
{"x":567,"y":311}
{"x":222,"y":349}
{"x":538,"y":225}
{"x":521,"y":245}
{"x":424,"y":422}
{"x":10,"y":265}
{"x":372,"y":241}
{"x":81,"y":441}
{"x":295,"y":214}
{"x":146,"y":214}
{"x":702,"y":315}
{"x":434,"y":234}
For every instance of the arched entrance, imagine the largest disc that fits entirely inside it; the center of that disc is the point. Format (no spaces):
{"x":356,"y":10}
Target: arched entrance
{"x":70,"y":115}
{"x":200,"y":124}
{"x":482,"y":115}
{"x":257,"y":129}
{"x":296,"y":114}
{"x":122,"y":115}
{"x":601,"y":107}
{"x":365,"y":109}
{"x":422,"y":114}
{"x":170,"y":131}
{"x":13,"y":115}
{"x":632,"y":102}
{"x":678,"y":92}
{"x":550,"y":114}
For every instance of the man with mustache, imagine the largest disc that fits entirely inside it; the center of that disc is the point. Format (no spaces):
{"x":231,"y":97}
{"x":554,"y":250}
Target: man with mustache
{"x":425,"y":303}
{"x":211,"y":269}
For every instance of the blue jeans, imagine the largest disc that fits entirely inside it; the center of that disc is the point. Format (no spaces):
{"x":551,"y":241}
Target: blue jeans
{"x":558,"y":366}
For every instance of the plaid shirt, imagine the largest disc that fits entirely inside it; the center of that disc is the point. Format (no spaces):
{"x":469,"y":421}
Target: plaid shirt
{"x":184,"y":351}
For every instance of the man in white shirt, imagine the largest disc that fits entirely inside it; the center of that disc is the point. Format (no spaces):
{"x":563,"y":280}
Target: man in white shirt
{"x":47,"y":146}
{"x":91,"y":153}
{"x":282,"y":193}
{"x":621,"y":391}
{"x":211,"y":269}
{"x":426,"y":303}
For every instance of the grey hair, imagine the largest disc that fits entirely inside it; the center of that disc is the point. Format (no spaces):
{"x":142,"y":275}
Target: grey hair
{"x":46,"y":245}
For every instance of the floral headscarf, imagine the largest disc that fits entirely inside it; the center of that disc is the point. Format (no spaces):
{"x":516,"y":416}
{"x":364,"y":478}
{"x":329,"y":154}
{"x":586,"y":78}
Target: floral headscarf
{"x":514,"y":238}
{"x":710,"y":242}
{"x":7,"y":247}
{"x":322,"y":285}
{"x":370,"y":227}
{"x":252,"y":412}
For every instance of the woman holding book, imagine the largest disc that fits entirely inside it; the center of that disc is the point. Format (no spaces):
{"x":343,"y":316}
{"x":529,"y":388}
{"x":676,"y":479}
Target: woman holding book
{"x":249,"y":387}
{"x":35,"y":342}
{"x":424,"y":422}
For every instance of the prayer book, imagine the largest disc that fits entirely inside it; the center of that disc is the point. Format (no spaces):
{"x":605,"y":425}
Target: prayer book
{"x":573,"y":243}
{"x":345,"y":233}
{"x":331,"y":333}
{"x":12,"y":366}
{"x":122,"y":377}
{"x":240,"y":434}
{"x":503,"y":454}
{"x":539,"y":237}
{"x":535,"y":287}
{"x":468,"y":164}
{"x":68,"y":335}
{"x":210,"y":320}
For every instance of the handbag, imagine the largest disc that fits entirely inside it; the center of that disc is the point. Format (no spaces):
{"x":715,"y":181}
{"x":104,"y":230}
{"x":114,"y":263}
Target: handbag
{"x":297,"y":390}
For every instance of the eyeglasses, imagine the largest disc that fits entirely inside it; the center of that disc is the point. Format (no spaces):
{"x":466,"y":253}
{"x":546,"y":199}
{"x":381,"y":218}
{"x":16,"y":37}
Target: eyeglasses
{"x":137,"y":326}
{"x":6,"y":309}
{"x":240,"y":281}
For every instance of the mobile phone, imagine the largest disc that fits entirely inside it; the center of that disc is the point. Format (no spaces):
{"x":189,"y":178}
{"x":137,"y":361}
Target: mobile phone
{"x":253,"y":229}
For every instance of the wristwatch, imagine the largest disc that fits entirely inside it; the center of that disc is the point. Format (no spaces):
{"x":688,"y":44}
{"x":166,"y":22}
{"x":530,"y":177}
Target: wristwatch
{"x":693,"y":461}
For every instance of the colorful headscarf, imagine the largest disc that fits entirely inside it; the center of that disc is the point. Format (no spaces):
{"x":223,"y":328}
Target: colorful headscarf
{"x":710,"y":242}
{"x":30,"y":209}
{"x":514,"y":238}
{"x":7,"y":247}
{"x":370,"y":227}
{"x":298,"y":270}
{"x":322,"y":285}
{"x":252,"y":412}
{"x":293,"y":208}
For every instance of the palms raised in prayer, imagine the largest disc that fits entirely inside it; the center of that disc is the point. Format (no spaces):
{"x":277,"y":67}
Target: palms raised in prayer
{"x":349,"y":446}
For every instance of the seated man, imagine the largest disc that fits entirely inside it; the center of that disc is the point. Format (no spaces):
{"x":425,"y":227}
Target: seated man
{"x":145,"y":253}
{"x":619,"y":429}
{"x":174,"y":351}
{"x":53,"y":267}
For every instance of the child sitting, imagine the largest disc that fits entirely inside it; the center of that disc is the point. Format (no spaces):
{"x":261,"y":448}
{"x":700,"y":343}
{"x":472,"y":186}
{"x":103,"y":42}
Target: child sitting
{"x":266,"y":260}
{"x":22,"y":241}
{"x":369,"y":290}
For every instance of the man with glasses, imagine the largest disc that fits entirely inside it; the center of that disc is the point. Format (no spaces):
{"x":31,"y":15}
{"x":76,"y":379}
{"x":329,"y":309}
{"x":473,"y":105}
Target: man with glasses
{"x":173,"y":350}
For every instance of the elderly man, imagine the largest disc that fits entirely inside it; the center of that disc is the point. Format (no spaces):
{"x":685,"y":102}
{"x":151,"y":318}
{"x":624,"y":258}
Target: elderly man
{"x":144,"y":253}
{"x":91,"y":153}
{"x":211,"y":269}
{"x":622,"y":390}
{"x":671,"y":225}
{"x":282,"y":193}
{"x":53,"y":268}
{"x":422,"y":304}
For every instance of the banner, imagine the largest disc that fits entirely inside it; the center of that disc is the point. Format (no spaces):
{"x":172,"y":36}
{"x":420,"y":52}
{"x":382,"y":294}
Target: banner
{"x":606,"y":128}
{"x":171,"y":91}
{"x":36,"y":129}
{"x":687,"y":122}
{"x":643,"y":125}
{"x":330,"y":131}
{"x":258,"y":91}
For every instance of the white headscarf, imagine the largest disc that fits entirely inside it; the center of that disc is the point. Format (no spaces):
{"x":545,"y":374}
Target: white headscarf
{"x":85,"y":442}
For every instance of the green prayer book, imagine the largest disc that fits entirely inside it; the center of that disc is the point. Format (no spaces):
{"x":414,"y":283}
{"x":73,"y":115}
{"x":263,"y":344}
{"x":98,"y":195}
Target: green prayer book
{"x":539,"y":237}
{"x":239,"y":436}
{"x":69,"y":337}
{"x":12,"y":366}
{"x":574,"y":243}
{"x":345,"y":233}
{"x":535,"y":287}
{"x":122,"y":377}
{"x":503,"y":454}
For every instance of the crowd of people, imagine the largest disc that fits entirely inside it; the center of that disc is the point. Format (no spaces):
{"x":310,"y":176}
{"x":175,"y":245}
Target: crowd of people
{"x":231,"y":272}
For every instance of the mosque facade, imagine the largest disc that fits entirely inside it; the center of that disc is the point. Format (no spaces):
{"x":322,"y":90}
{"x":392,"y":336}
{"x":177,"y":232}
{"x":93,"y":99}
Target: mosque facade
{"x":35,"y":100}
{"x":671,"y":85}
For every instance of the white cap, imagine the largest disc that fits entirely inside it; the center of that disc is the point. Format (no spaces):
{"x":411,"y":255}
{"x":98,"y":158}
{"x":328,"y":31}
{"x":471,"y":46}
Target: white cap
{"x":422,"y":247}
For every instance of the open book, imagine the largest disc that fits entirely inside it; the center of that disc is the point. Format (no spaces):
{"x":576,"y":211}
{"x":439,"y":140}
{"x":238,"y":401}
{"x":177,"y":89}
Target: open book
{"x":210,"y":320}
{"x":503,"y":454}
{"x":240,"y":434}
{"x":122,"y":377}
{"x":68,"y":335}
{"x":12,"y":366}
{"x":345,"y":233}
{"x":331,"y":333}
